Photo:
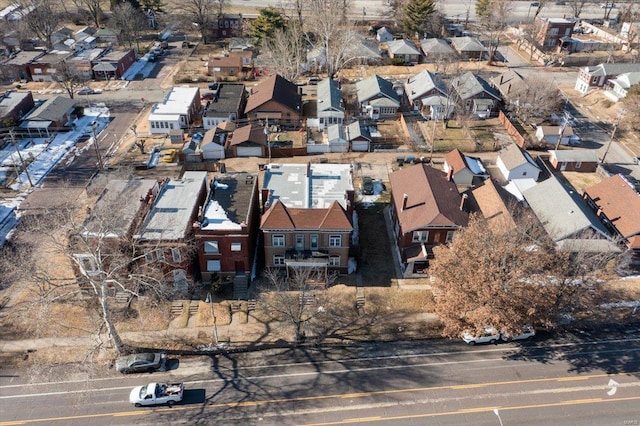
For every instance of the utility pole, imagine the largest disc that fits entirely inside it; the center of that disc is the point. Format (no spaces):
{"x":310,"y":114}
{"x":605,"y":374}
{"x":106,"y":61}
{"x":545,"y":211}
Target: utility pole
{"x":565,"y":121}
{"x":613,"y":133}
{"x":95,"y":145}
{"x":15,"y":145}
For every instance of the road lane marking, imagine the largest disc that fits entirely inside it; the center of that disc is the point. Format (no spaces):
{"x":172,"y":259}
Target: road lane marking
{"x":312,"y":398}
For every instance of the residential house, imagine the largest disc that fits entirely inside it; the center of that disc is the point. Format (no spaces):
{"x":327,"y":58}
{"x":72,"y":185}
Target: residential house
{"x":476,"y":95}
{"x":228,"y":25}
{"x":383,"y":35}
{"x":114,"y":64}
{"x":213,"y":143}
{"x":231,"y":65}
{"x":111,"y":224}
{"x":490,"y":200}
{"x":574,"y":160}
{"x":45,"y":68}
{"x":377,"y":97}
{"x":553,"y":32}
{"x":190,"y":152}
{"x":248,"y":141}
{"x":437,"y":49}
{"x":177,"y":111}
{"x":13,"y":106}
{"x":428,"y":95}
{"x":316,"y":238}
{"x":567,"y":219}
{"x":363,"y":51}
{"x":516,"y":163}
{"x":617,"y":205}
{"x":359,"y":137}
{"x":51,"y":115}
{"x":107,"y":36}
{"x":16,"y":67}
{"x":277,"y":100}
{"x":462,"y":169}
{"x":81,"y":63}
{"x":469,"y":48}
{"x":227,"y":230}
{"x":337,"y":138}
{"x":426,"y":210}
{"x":405,"y":51}
{"x":330,"y":105}
{"x":59,"y":37}
{"x":85,"y":38}
{"x":509,"y":83}
{"x":165,"y":238}
{"x":228,"y":104}
{"x":596,"y":76}
{"x":551,"y":134}
{"x":617,"y":88}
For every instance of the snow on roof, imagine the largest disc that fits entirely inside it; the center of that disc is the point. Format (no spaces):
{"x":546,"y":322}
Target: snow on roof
{"x":475,"y":165}
{"x":177,"y":101}
{"x":215,"y":217}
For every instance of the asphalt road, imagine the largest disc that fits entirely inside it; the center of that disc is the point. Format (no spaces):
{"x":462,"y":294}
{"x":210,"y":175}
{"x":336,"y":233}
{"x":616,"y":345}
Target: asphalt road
{"x":565,"y":380}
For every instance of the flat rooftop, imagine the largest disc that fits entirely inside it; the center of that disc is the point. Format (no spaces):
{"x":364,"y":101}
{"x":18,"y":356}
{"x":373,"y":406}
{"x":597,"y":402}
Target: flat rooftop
{"x":308,"y":185}
{"x":177,"y":101}
{"x":229,"y":203}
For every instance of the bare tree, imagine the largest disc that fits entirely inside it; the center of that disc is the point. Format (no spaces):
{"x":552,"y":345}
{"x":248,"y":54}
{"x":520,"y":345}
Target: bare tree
{"x":42,"y":20}
{"x":294,"y":299}
{"x":577,"y":6}
{"x":509,"y":278}
{"x":129,"y":20}
{"x":284,"y":52}
{"x":67,"y":77}
{"x":535,"y":98}
{"x":200,"y":13}
{"x":91,"y":8}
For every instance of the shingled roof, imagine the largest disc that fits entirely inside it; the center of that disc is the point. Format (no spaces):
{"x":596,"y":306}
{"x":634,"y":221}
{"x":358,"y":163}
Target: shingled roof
{"x":277,"y":89}
{"x":279,"y":217}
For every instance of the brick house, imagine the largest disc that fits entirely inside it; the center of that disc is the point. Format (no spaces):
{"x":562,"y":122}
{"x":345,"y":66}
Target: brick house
{"x":227,"y":105}
{"x":227,"y":230}
{"x":275,"y":99}
{"x":113,"y":65}
{"x":574,"y":160}
{"x":476,"y":95}
{"x":596,"y":76}
{"x":16,"y":67}
{"x":232,"y":65}
{"x":45,"y":67}
{"x":426,"y":211}
{"x":13,"y":106}
{"x":550,"y":31}
{"x":52,"y":114}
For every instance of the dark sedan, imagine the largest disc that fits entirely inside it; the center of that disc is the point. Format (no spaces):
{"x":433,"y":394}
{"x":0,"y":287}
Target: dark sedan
{"x":139,"y":363}
{"x":367,"y":185}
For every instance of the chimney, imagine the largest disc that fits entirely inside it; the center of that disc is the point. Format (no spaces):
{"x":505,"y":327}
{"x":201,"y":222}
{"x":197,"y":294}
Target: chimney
{"x":508,"y":88}
{"x":463,"y":201}
{"x":265,"y":198}
{"x":501,"y":78}
{"x":200,"y":213}
{"x":309,"y":169}
{"x":450,"y":174}
{"x":405,"y":198}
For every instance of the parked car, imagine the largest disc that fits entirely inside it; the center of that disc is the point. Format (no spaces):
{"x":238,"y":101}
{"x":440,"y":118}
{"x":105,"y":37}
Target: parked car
{"x":367,"y":185}
{"x":527,"y":332}
{"x":213,"y":86}
{"x":535,"y":3}
{"x":609,"y":5}
{"x":313,"y":80}
{"x":169,"y":156}
{"x":207,"y":96}
{"x":490,"y":335}
{"x":86,"y":91}
{"x":140,"y":363}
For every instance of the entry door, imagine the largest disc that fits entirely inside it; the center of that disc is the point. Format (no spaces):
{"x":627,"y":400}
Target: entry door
{"x":299,"y":242}
{"x":563,"y":166}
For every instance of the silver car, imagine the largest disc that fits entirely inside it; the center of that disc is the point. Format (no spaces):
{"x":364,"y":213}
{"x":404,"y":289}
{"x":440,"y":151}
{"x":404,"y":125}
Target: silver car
{"x":140,"y":363}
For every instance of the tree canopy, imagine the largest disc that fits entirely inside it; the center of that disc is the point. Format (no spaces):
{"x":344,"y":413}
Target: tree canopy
{"x":417,"y":14}
{"x":265,"y":25}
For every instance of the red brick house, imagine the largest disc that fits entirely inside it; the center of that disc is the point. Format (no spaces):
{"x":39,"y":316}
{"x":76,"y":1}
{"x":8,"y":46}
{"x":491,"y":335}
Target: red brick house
{"x":426,"y":211}
{"x":232,"y":65}
{"x":114,"y":64}
{"x":550,"y":32}
{"x":574,"y":160}
{"x":13,"y":106}
{"x":275,"y":99}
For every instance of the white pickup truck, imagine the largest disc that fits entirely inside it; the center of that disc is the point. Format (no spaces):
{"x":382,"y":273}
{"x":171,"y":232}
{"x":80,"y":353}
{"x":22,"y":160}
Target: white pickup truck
{"x":157,"y":393}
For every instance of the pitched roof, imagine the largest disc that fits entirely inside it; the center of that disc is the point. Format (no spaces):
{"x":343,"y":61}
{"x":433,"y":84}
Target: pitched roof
{"x":561,"y":210}
{"x":468,"y":44}
{"x":403,"y":47}
{"x":281,"y":217}
{"x":422,"y":83}
{"x":575,"y":155}
{"x":373,"y":87}
{"x":436,"y":46}
{"x":358,"y":130}
{"x":513,"y":156}
{"x":336,"y":131}
{"x":612,"y":69}
{"x":469,"y":85}
{"x":432,"y":200}
{"x":329,"y":95}
{"x":493,"y":207}
{"x":250,"y":133}
{"x":628,"y":79}
{"x":53,"y":109}
{"x":620,"y":203}
{"x":455,"y":159}
{"x":555,"y":130}
{"x":508,"y":81}
{"x":279,"y":90}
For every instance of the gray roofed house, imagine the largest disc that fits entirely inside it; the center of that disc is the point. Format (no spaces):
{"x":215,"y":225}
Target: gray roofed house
{"x":428,"y":94}
{"x":14,"y":105}
{"x":574,"y":160}
{"x":377,"y":97}
{"x":404,"y":49}
{"x":508,"y":82}
{"x":435,"y":49}
{"x":597,"y":76}
{"x":16,"y":67}
{"x":618,"y":88}
{"x":566,"y":217}
{"x":330,"y":105}
{"x":383,"y":35}
{"x":359,"y":136}
{"x":227,"y":105}
{"x":364,"y":51}
{"x":337,"y":139}
{"x":477,"y":96}
{"x":516,"y":163}
{"x":54,"y":112}
{"x":174,"y":209}
{"x":469,"y":47}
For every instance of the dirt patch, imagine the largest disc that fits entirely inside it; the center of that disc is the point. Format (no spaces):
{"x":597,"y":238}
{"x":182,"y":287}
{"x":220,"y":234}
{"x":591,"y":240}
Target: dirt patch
{"x":582,"y":181}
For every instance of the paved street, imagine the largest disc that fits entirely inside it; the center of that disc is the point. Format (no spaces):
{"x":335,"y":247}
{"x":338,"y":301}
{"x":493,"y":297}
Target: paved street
{"x":568,"y":380}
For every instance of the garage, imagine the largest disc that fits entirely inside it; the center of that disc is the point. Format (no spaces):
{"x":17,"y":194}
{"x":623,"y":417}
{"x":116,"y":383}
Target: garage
{"x":249,"y":151}
{"x":360,"y":146}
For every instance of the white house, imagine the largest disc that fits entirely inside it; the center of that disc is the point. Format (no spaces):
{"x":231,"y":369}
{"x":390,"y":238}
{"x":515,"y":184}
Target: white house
{"x":617,"y":88}
{"x":212,"y":145}
{"x":383,"y":35}
{"x":550,"y":134}
{"x":176,"y":111}
{"x":515,"y":163}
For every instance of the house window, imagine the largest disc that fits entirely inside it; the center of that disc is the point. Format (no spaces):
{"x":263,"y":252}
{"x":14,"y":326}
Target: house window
{"x":176,"y":255}
{"x":313,"y":242}
{"x":213,"y":266}
{"x":87,"y":264}
{"x":335,"y":241}
{"x":278,"y":240}
{"x":149,"y":256}
{"x":299,"y":242}
{"x":420,"y":236}
{"x":236,"y":246}
{"x":211,"y":247}
{"x":278,"y":260}
{"x":450,"y":236}
{"x":160,"y":255}
{"x":334,"y":261}
{"x":578,"y":164}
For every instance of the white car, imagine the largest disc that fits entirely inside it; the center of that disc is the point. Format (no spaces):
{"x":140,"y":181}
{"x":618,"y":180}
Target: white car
{"x":490,"y":335}
{"x":527,"y":332}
